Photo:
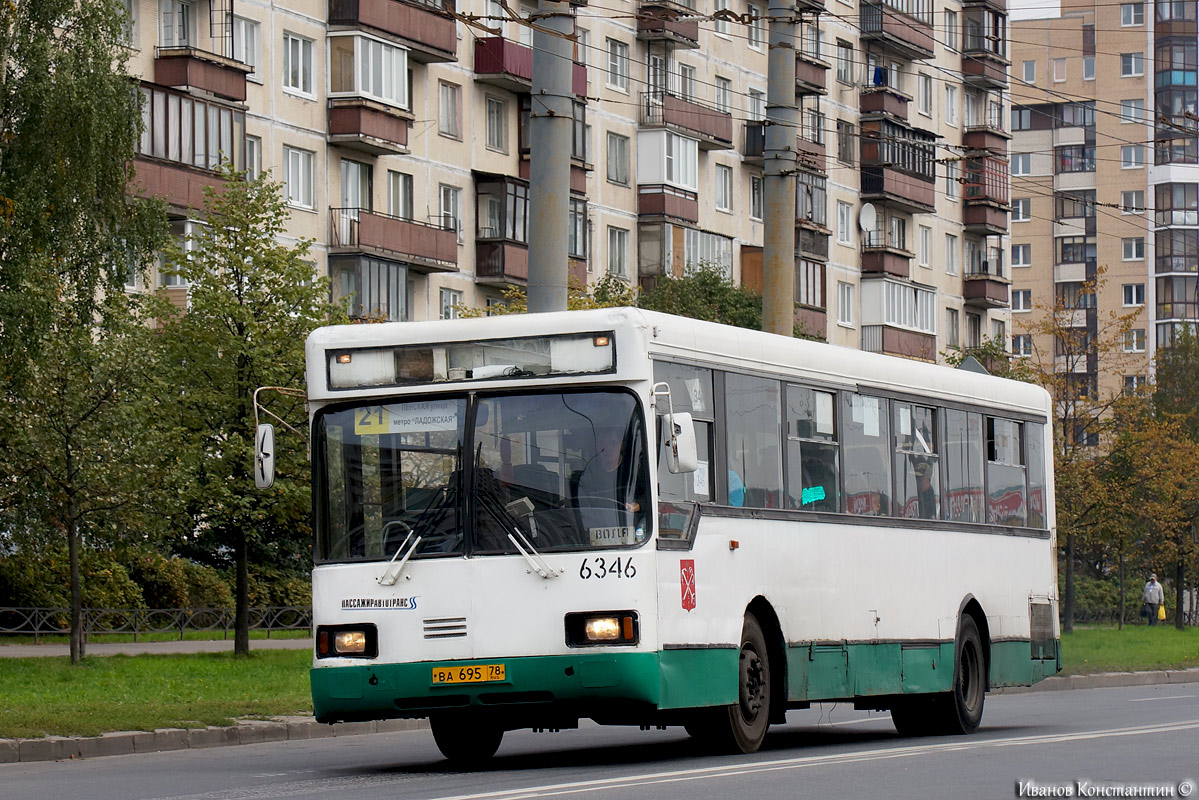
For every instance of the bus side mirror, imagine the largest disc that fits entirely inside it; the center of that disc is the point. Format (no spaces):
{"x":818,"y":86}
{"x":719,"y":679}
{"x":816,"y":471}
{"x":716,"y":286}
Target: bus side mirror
{"x":681,"y":453}
{"x":264,"y":456}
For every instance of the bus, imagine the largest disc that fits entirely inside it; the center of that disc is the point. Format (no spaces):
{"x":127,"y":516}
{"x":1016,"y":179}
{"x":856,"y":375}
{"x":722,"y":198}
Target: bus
{"x":525,"y":521}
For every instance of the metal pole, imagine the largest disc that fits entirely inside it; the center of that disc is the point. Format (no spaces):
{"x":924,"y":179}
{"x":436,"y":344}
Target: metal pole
{"x":551,"y":122}
{"x":782,"y":126}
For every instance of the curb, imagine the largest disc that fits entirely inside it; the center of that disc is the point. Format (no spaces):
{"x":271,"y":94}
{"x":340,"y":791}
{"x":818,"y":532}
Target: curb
{"x":64,"y":748}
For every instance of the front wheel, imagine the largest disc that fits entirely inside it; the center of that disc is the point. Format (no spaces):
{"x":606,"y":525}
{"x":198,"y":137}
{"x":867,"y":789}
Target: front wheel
{"x":741,"y":727}
{"x":466,"y":742}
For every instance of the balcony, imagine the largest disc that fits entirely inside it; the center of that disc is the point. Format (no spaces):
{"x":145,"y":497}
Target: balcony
{"x":194,"y":69}
{"x":897,"y":189}
{"x":984,"y":69}
{"x":984,"y":48}
{"x":423,"y":247}
{"x":660,"y":25}
{"x":423,"y":26}
{"x":509,"y":65}
{"x":811,"y":241}
{"x":885,"y":253}
{"x":663,"y":109}
{"x":899,"y":342}
{"x":753,"y":149}
{"x":369,"y":127}
{"x":811,"y":74}
{"x":182,"y":187}
{"x":811,"y":155}
{"x":501,"y":263}
{"x":985,"y":285}
{"x":909,"y":38}
{"x":661,"y":200}
{"x":987,"y":136}
{"x":876,"y":101}
{"x":986,"y":196}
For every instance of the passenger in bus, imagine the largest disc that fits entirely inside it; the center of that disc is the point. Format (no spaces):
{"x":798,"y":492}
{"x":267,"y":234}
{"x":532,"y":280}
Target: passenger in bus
{"x":736,"y":489}
{"x":926,"y":494}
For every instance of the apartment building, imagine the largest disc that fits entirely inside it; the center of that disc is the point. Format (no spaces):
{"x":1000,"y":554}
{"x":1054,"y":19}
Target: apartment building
{"x":1100,"y":186}
{"x":399,"y":129}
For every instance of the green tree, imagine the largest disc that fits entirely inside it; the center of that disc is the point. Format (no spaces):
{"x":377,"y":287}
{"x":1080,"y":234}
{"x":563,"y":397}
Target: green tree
{"x":253,"y":301}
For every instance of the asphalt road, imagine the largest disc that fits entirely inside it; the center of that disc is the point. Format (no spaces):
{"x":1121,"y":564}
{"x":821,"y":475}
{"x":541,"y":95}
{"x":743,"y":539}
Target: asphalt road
{"x":1108,"y":739}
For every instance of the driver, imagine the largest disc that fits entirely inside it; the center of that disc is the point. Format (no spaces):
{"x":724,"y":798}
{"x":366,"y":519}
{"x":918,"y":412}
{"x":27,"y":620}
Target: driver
{"x":603,"y":477}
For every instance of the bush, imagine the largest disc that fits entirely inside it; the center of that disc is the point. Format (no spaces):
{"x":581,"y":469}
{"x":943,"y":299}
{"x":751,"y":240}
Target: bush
{"x":42,"y":579}
{"x":206,"y":588}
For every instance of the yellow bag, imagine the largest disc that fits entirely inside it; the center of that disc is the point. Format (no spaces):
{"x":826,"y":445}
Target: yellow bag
{"x":1161,"y":613}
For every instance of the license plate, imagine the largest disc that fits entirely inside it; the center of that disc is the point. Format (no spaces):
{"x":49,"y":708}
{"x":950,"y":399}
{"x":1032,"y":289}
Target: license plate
{"x":477,"y":673}
{"x":611,"y":536}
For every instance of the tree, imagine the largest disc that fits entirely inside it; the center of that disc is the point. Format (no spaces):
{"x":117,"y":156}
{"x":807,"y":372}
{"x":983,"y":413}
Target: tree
{"x":608,"y":292}
{"x":69,"y":121}
{"x":84,"y":464}
{"x":253,"y":301}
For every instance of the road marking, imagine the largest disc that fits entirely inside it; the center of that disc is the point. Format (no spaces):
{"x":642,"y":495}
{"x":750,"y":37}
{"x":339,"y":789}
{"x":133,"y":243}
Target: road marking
{"x":1172,"y":697}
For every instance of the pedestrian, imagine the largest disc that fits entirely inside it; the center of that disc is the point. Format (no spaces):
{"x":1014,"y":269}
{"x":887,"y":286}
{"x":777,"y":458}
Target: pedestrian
{"x":1153,"y":597}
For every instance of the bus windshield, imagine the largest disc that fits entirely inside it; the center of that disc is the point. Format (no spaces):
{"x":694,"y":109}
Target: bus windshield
{"x":559,"y":471}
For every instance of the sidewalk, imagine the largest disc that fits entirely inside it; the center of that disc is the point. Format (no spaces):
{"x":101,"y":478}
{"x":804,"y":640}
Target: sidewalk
{"x":140,"y":648}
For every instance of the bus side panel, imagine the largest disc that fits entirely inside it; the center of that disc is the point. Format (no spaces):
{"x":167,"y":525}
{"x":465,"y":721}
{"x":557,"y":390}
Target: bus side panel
{"x":1012,"y":666}
{"x":695,"y":678}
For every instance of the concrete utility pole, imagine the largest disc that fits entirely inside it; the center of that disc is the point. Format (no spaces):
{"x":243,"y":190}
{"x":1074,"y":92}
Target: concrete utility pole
{"x":551,"y":123}
{"x":782,"y":126}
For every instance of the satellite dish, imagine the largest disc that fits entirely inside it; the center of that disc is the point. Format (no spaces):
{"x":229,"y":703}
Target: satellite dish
{"x":867,"y":217}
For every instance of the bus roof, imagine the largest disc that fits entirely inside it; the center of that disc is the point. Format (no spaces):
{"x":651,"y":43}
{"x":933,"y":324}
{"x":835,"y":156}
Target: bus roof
{"x":696,"y":342}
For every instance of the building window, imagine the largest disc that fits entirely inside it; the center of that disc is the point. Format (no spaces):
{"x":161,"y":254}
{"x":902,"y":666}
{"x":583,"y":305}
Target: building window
{"x":1022,"y":300}
{"x":1088,"y":68}
{"x":297,"y":64}
{"x":1134,"y":294}
{"x":364,"y":67}
{"x":724,"y":92}
{"x":844,"y":62}
{"x":1021,"y":209}
{"x":952,"y":182}
{"x":618,"y":65}
{"x":756,"y":35}
{"x":721,"y":25}
{"x":951,"y":105}
{"x":846,"y":142}
{"x":724,"y":188}
{"x":755,"y":108}
{"x":974,"y":330}
{"x":178,"y":23}
{"x":1134,"y":340}
{"x":1030,"y":71}
{"x":682,"y":161}
{"x":253,"y":157}
{"x":1022,"y":345}
{"x":399,"y":194}
{"x":998,"y":330}
{"x":844,"y":223}
{"x":1021,"y":163}
{"x":952,"y":337}
{"x":924,"y":244}
{"x":190,"y":131}
{"x":298,"y":171}
{"x":1132,"y":202}
{"x":686,"y":78}
{"x":1022,"y":255}
{"x":1132,"y":156}
{"x":1134,"y":248}
{"x":1132,"y":64}
{"x":951,"y":30}
{"x":845,"y":303}
{"x":618,"y":159}
{"x":757,"y":200}
{"x":1059,"y":70}
{"x":1134,"y":383}
{"x":1021,"y":119}
{"x":449,"y":110}
{"x":1075,"y":158}
{"x":451,"y":208}
{"x":1132,"y":111}
{"x":618,"y":252}
{"x":497,"y":124}
{"x":451,"y":300}
{"x":576,"y":241}
{"x":924,"y":94}
{"x":247,"y":44}
{"x":951,"y":254}
{"x":1132,"y":14}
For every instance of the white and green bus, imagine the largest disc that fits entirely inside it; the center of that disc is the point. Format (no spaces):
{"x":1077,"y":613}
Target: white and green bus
{"x":639,"y":519}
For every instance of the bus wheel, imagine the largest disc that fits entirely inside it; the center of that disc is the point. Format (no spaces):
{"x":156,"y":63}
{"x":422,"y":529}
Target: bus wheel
{"x":467,"y":742}
{"x":957,"y":711}
{"x":740,"y":727}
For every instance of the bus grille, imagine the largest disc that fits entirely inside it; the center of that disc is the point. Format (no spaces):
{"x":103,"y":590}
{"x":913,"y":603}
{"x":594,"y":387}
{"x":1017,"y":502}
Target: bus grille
{"x":445,"y":628}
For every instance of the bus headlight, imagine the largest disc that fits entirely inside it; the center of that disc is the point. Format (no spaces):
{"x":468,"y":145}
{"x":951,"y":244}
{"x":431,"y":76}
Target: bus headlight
{"x":593,"y":629}
{"x":347,"y":641}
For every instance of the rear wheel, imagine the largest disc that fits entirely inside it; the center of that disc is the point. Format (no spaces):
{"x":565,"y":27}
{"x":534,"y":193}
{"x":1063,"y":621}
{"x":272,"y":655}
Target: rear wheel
{"x":741,"y":727}
{"x":960,"y":710}
{"x":466,"y":741}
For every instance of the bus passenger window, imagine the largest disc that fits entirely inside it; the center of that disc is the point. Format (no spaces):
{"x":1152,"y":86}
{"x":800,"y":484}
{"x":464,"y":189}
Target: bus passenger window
{"x":865,"y":448}
{"x":917,"y":465}
{"x":1034,"y":444}
{"x":813,"y":481}
{"x":964,"y":445}
{"x":753,"y":418}
{"x":1006,"y":499}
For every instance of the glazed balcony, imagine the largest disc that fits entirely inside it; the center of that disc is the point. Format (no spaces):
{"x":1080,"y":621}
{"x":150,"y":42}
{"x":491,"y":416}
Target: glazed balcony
{"x":811,"y":155}
{"x":509,"y":65}
{"x":501,"y":263}
{"x":369,"y":127}
{"x":984,"y":69}
{"x":662,"y":25}
{"x":897,"y":189}
{"x":985,"y":285}
{"x":661,"y":200}
{"x":423,"y":247}
{"x":901,"y":35}
{"x":899,"y":342}
{"x":885,"y":253}
{"x":811,"y":74}
{"x":753,"y":147}
{"x":663,"y":109}
{"x":191,"y":68}
{"x":811,"y":241}
{"x":985,"y":193}
{"x":883,"y":101}
{"x":423,"y":26}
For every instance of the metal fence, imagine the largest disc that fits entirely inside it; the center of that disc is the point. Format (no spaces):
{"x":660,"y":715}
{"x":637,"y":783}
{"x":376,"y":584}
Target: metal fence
{"x":37,"y":622}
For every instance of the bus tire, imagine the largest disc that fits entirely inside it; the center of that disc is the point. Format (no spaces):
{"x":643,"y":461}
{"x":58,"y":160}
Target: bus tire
{"x":467,"y":742}
{"x":958,"y":711}
{"x":741,"y":727}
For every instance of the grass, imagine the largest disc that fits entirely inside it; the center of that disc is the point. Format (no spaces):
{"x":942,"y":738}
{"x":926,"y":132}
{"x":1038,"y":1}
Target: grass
{"x":47,"y":696}
{"x":1136,"y":648}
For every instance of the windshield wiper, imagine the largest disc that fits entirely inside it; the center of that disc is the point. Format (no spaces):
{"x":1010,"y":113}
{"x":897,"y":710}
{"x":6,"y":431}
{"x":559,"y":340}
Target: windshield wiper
{"x":389,"y":577}
{"x":504,"y":517}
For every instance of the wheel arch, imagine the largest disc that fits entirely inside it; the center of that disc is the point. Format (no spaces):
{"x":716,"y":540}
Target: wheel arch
{"x":971,"y":607}
{"x":776,"y":650}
